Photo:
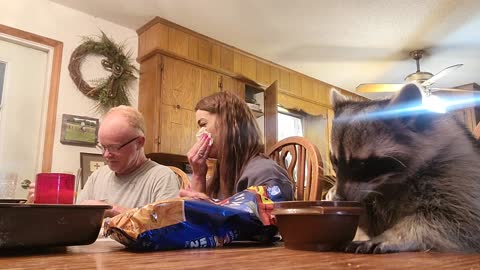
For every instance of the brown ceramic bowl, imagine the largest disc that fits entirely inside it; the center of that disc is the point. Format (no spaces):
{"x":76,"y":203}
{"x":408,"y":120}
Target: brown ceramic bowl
{"x":317,"y":225}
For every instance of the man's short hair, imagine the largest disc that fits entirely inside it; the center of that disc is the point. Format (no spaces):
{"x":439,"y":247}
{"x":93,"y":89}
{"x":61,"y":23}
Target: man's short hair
{"x":134,"y":117}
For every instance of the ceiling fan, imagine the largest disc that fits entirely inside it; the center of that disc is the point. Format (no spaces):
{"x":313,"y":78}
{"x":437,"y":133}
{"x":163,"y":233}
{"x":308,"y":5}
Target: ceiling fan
{"x":426,"y":79}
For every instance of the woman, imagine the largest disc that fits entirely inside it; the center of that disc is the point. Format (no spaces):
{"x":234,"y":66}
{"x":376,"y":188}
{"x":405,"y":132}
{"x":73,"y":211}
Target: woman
{"x":235,"y":141}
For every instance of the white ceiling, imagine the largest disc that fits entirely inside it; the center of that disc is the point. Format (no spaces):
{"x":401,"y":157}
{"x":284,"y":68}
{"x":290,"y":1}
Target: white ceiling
{"x":342,"y":42}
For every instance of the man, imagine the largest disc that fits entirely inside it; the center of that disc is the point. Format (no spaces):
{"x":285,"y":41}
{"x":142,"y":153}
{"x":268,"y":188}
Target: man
{"x":130,"y":179}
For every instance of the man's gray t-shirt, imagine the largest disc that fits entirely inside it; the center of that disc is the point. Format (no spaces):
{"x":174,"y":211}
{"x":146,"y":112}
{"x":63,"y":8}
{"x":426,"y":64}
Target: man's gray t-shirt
{"x":262,"y":171}
{"x":150,"y":183}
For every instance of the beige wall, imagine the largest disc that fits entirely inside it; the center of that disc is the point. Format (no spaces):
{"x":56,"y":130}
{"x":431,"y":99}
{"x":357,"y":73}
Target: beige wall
{"x":51,"y":20}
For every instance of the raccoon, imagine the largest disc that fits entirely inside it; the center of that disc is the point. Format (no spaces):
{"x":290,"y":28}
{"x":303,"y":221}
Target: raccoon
{"x":415,"y":172}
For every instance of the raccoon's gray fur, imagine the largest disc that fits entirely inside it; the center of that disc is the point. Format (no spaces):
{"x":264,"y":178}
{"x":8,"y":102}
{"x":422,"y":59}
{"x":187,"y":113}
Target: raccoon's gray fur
{"x":416,"y":174}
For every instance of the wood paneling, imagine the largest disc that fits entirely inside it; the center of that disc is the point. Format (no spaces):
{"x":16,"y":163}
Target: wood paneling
{"x":323,"y":93}
{"x":249,"y":67}
{"x":284,"y":80}
{"x":288,"y":101}
{"x":155,"y":37}
{"x":307,"y":88}
{"x":178,"y":42}
{"x":216,"y":56}
{"x":237,"y":62}
{"x":295,"y":84}
{"x":193,"y":48}
{"x":226,"y":59}
{"x":204,"y":52}
{"x":263,"y":73}
{"x":148,"y":95}
{"x":184,"y":42}
{"x":233,"y":85}
{"x":275,"y":75}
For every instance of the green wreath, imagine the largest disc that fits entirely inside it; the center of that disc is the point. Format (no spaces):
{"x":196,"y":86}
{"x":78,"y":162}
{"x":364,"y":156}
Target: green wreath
{"x":110,"y":91}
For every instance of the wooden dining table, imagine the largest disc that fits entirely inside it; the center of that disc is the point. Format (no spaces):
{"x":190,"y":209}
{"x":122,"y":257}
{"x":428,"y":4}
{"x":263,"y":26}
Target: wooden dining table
{"x":107,"y":254}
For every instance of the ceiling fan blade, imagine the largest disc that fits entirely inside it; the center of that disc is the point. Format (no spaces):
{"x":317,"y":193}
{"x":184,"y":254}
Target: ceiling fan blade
{"x":434,"y":89}
{"x":379,"y":87}
{"x":441,"y":74}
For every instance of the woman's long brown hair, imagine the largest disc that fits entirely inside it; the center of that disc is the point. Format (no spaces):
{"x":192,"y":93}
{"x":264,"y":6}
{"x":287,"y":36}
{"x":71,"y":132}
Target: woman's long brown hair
{"x":240,"y":140}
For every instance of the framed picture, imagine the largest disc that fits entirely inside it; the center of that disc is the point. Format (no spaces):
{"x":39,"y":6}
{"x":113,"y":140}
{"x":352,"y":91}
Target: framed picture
{"x":79,"y":130}
{"x":90,"y":162}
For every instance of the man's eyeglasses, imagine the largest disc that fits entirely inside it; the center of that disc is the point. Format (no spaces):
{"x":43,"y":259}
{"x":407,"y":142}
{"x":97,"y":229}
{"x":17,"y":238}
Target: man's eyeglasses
{"x":114,"y":148}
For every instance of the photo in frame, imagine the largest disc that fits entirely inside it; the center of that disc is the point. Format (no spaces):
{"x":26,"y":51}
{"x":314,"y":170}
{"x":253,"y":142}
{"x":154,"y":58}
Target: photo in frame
{"x":89,"y":162}
{"x":79,"y":130}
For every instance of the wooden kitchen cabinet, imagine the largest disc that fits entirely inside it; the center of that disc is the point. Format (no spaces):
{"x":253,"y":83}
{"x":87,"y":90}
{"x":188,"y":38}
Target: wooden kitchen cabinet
{"x":169,"y":91}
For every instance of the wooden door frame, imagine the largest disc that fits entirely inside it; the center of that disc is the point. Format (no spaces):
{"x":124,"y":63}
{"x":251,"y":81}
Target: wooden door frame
{"x":271,"y":115}
{"x":55,"y":48}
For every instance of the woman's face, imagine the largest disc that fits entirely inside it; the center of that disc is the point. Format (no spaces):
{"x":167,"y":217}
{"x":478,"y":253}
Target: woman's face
{"x":209,"y":121}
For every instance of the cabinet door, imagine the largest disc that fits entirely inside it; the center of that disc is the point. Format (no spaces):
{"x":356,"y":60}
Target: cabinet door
{"x":181,"y":84}
{"x":233,"y":85}
{"x":177,"y":130}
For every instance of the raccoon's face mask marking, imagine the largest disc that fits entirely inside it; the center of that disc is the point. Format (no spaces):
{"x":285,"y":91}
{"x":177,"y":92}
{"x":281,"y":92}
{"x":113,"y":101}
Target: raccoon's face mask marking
{"x":366,"y":159}
{"x":359,"y":178}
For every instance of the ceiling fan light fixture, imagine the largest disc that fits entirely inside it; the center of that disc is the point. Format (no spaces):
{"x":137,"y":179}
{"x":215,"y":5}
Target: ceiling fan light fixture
{"x":423,"y":78}
{"x":418,"y":77}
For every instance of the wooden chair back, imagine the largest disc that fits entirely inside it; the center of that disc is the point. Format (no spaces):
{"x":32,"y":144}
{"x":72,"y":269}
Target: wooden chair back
{"x":476,"y":131}
{"x":304,"y":166}
{"x":182,"y":177}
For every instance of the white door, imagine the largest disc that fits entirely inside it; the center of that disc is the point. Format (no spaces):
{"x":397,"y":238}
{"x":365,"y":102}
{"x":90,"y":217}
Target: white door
{"x":23,"y":95}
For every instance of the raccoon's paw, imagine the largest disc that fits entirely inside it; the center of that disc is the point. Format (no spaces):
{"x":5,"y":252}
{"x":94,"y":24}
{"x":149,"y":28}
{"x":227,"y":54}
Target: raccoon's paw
{"x":365,"y":247}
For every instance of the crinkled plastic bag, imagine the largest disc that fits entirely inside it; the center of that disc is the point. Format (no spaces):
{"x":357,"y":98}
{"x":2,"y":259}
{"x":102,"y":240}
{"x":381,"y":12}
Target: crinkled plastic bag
{"x":187,"y":223}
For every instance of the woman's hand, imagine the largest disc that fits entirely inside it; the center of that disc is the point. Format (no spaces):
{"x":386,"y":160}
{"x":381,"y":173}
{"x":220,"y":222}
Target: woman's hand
{"x":193,"y":194}
{"x":197,"y":157}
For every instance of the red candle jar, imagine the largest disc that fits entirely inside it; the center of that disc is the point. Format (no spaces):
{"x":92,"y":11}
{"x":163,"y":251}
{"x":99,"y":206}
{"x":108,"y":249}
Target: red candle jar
{"x":54,"y":188}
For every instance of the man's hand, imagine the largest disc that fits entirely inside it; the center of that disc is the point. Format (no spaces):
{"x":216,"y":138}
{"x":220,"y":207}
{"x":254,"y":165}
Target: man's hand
{"x":31,"y":193}
{"x":116,"y":209}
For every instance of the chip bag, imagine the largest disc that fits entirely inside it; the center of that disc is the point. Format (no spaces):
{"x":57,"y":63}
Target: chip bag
{"x":191,"y":223}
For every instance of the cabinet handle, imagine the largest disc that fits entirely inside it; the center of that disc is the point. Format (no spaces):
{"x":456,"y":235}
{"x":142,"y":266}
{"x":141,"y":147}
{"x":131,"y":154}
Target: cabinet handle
{"x":220,"y":84}
{"x":178,"y":106}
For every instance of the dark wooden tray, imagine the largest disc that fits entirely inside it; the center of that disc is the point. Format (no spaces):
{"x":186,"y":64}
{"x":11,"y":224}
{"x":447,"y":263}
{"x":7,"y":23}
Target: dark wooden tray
{"x":12,"y":200}
{"x":45,"y":225}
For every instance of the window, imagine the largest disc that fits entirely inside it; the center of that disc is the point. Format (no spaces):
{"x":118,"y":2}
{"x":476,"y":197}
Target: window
{"x":289,"y":124}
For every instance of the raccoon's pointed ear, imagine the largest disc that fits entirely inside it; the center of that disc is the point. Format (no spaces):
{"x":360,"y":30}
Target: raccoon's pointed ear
{"x":336,"y":97}
{"x":410,"y":94}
